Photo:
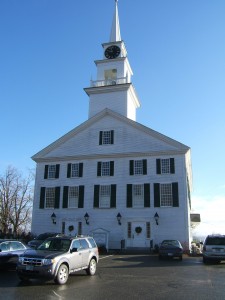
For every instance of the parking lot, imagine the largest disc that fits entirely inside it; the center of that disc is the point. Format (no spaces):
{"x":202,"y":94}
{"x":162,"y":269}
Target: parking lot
{"x":124,"y":276}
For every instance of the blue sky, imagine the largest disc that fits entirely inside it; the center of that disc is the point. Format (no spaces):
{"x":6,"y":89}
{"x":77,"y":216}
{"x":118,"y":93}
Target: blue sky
{"x":176,"y":49}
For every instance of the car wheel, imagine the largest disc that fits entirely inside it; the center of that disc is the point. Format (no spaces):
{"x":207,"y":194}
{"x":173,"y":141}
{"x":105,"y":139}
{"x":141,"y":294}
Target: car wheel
{"x":23,"y":279}
{"x":204,"y":260}
{"x":62,"y":275}
{"x":160,"y":257}
{"x":92,"y":267}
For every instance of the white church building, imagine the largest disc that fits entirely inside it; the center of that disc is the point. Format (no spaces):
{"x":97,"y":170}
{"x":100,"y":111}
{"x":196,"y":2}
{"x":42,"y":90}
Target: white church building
{"x":112,"y":177}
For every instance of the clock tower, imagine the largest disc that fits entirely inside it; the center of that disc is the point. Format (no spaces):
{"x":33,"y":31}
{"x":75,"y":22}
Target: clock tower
{"x":113,"y":88}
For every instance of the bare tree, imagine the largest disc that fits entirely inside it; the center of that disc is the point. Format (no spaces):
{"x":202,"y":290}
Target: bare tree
{"x":16,"y":195}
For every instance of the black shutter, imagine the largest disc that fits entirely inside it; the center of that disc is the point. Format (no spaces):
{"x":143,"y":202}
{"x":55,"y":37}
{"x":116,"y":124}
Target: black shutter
{"x":146,"y":195}
{"x":129,"y":195}
{"x":80,"y":169}
{"x":69,"y":170}
{"x":111,"y":168}
{"x":144,"y":166}
{"x":172,"y":166}
{"x":57,"y":171}
{"x":57,"y":197}
{"x":100,"y":138}
{"x":96,"y":196}
{"x":46,"y":172}
{"x":112,"y":136}
{"x":131,"y":167}
{"x":113,"y":196}
{"x":99,"y":168}
{"x":81,"y":197}
{"x":156,"y":194}
{"x":158,"y":166}
{"x":175,"y":194}
{"x":42,"y":198}
{"x":65,"y":196}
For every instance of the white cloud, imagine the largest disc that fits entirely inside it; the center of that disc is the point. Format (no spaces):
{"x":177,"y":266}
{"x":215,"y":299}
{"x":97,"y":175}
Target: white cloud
{"x":212,"y":211}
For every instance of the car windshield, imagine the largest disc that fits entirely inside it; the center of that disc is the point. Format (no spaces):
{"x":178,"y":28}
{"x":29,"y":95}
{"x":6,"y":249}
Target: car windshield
{"x":42,"y":236}
{"x":171,"y":243}
{"x":55,"y":245}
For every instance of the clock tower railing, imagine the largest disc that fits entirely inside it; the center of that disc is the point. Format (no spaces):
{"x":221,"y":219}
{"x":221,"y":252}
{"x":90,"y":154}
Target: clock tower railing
{"x":115,"y":81}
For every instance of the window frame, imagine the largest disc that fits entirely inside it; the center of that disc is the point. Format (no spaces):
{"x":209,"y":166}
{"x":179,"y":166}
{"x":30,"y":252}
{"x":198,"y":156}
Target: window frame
{"x":106,"y":137}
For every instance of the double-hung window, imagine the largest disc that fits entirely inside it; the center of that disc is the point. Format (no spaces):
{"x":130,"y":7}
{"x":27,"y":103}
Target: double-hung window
{"x":73,"y":196}
{"x":138,"y":195}
{"x":74,"y":170}
{"x":106,"y":137}
{"x":105,"y":196}
{"x":165,"y":166}
{"x":51,"y":171}
{"x":105,"y":168}
{"x":166,"y":194}
{"x":138,"y":167}
{"x":49,"y":197}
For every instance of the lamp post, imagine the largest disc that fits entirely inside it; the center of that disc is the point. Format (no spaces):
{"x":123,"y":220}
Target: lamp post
{"x":53,"y":217}
{"x":156,"y":217}
{"x":86,"y":217}
{"x":119,"y":218}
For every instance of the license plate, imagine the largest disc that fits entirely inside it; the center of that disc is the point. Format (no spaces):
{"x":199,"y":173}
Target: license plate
{"x":29,"y":268}
{"x":218,"y":250}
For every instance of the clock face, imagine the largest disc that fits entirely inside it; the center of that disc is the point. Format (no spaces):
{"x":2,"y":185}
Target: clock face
{"x":112,"y":52}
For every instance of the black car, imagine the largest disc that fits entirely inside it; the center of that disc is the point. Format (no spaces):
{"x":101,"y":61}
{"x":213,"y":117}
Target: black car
{"x":10,"y":250}
{"x":171,"y":248}
{"x":40,"y":239}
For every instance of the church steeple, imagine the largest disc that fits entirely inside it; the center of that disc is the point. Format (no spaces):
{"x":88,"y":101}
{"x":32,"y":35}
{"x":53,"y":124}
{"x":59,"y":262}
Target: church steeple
{"x":115,"y":30}
{"x":113,"y":88}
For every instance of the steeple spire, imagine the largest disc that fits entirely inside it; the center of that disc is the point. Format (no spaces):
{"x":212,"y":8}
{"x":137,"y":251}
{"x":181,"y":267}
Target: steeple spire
{"x":115,"y":31}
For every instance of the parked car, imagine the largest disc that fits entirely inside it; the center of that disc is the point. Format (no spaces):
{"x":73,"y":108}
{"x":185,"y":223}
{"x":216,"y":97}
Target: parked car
{"x":10,"y":251}
{"x":40,"y":239}
{"x":170,"y":248}
{"x":214,"y":248}
{"x":58,"y":257}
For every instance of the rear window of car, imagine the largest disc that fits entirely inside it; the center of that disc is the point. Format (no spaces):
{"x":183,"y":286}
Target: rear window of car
{"x":219,"y":241}
{"x":92,"y":242}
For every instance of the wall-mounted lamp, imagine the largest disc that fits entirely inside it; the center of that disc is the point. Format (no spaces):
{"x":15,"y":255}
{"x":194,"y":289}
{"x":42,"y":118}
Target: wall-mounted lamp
{"x":86,"y":217}
{"x":53,"y":217}
{"x":119,"y":218}
{"x":156,"y":217}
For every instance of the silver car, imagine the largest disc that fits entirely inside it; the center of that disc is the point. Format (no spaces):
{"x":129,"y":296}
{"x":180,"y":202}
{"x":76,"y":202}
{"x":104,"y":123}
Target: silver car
{"x":57,"y":257}
{"x":214,"y":248}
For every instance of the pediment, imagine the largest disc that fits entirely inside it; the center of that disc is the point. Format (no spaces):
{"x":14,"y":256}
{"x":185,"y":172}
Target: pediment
{"x":131,"y":138}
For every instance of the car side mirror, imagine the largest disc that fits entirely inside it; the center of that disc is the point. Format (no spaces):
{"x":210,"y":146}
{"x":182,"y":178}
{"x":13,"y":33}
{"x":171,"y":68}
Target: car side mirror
{"x":73,"y":250}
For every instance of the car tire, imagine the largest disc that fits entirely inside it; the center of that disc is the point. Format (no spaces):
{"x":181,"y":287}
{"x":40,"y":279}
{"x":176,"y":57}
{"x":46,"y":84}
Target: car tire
{"x":23,"y":279}
{"x":92,"y":267}
{"x":62,"y":274}
{"x":160,"y":257}
{"x":204,"y":260}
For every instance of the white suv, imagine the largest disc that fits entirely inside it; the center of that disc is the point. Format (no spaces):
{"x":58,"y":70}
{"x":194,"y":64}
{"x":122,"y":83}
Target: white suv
{"x":214,"y":248}
{"x":57,"y":257}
